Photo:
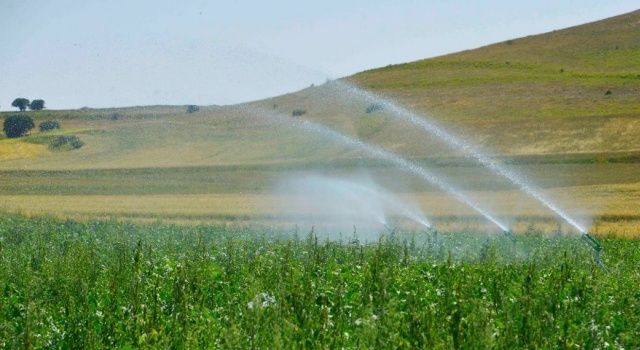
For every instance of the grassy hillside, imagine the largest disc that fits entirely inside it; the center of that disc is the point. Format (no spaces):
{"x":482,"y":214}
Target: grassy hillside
{"x":562,"y":107}
{"x":571,"y":90}
{"x":561,"y":74}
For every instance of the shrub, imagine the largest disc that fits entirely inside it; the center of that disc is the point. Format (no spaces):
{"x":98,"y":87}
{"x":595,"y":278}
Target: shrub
{"x":192,"y":108}
{"x":68,"y":142}
{"x":374,"y":107}
{"x":608,"y":93}
{"x":48,"y":125}
{"x":116,"y":116}
{"x":298,"y":112}
{"x":17,"y":125}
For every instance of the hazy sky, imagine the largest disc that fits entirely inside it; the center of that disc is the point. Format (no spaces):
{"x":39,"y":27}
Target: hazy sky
{"x":102,"y":53}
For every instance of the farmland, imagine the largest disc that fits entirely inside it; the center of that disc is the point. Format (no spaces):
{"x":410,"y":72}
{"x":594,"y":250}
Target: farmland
{"x":165,"y":228}
{"x":110,"y":284}
{"x":539,"y":104}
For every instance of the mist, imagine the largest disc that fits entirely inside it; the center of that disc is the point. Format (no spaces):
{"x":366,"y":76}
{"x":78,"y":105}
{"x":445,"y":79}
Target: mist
{"x":334,"y":206}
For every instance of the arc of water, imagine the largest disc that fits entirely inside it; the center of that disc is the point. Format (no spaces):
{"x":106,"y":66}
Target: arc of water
{"x":381,"y":154}
{"x":359,"y":199}
{"x":393,"y":202}
{"x":457,"y":143}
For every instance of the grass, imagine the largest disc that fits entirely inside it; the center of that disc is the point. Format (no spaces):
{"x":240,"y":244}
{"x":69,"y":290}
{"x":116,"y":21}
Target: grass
{"x":18,"y":149}
{"x":603,"y":191}
{"x":109,"y":284}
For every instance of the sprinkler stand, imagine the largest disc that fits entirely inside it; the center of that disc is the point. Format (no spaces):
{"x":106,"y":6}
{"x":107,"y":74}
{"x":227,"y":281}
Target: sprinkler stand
{"x":510,"y":235}
{"x":595,"y":244}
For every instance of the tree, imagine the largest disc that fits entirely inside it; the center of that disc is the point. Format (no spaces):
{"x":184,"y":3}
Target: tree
{"x":17,"y":125}
{"x":192,"y":108}
{"x":37,"y":105}
{"x":49,"y":125}
{"x":21,"y":103}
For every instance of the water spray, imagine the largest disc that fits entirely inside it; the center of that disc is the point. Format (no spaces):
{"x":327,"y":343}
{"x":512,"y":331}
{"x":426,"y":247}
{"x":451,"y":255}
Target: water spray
{"x":392,"y":202}
{"x":454,"y":142}
{"x":380,"y":154}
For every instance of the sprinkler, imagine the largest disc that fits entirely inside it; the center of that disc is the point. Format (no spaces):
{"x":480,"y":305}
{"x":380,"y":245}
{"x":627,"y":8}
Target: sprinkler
{"x":391,"y":229}
{"x":433,"y":238}
{"x":595,"y":244}
{"x":510,"y":235}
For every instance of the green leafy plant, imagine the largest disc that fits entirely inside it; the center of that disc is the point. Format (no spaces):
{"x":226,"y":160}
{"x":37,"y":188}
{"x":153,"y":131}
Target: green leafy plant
{"x":114,"y":284}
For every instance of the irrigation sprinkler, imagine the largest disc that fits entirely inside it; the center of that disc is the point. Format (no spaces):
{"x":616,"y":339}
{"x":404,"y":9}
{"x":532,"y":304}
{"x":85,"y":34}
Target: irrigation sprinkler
{"x":597,"y":247}
{"x":433,"y":240}
{"x":391,"y":229}
{"x":510,"y":235}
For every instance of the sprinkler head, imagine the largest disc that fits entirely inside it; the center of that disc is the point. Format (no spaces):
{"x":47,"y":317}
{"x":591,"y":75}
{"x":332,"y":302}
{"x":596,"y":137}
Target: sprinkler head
{"x":595,"y":244}
{"x":510,"y":235}
{"x":432,"y":230}
{"x":391,"y":229}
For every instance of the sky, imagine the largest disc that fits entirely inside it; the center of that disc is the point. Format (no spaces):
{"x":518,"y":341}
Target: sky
{"x":112,"y":53}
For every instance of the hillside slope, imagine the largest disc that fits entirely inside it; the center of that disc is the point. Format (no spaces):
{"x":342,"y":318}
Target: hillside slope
{"x":561,"y":107}
{"x":570,"y":91}
{"x":560,"y":74}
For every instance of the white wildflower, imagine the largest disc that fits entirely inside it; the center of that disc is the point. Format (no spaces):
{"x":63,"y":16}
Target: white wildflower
{"x":262,"y":300}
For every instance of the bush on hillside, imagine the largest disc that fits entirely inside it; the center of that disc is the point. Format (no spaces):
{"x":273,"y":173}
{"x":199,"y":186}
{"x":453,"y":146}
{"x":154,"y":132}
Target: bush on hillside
{"x":298,"y":112}
{"x":374,"y":107}
{"x":17,"y":125}
{"x":49,"y":125}
{"x":66,"y":142}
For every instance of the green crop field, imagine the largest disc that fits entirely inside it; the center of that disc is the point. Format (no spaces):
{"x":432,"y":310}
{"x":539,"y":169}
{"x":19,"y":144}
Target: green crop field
{"x":165,"y":228}
{"x":108,"y":284}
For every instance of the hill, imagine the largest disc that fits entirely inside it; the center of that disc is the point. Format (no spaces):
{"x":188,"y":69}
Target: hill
{"x":562,"y":107}
{"x":567,"y":91}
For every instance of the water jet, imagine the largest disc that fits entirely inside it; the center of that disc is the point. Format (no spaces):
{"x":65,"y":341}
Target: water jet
{"x":431,"y":127}
{"x":378,"y":153}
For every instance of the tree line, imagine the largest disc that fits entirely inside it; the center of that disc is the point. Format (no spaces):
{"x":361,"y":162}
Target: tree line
{"x":24,"y":103}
